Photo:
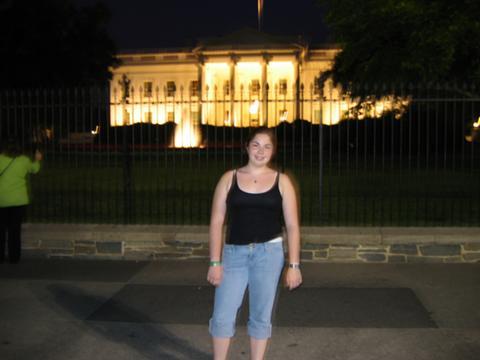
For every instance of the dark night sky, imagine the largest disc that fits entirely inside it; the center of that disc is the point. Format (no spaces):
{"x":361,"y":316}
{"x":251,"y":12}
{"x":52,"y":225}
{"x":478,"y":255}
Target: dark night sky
{"x":159,"y":23}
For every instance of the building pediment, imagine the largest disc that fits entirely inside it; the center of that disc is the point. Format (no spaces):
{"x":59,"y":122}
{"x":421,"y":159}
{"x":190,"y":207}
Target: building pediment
{"x":249,"y":39}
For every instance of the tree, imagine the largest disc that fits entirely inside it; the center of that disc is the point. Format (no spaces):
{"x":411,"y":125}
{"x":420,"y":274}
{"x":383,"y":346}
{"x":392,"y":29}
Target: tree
{"x":395,"y":42}
{"x":53,"y":43}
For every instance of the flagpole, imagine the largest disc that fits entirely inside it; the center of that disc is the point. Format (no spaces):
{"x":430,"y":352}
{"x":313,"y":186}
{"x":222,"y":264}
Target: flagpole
{"x":260,"y":13}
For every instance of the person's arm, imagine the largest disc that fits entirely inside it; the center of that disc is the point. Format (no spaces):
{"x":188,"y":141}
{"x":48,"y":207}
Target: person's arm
{"x":293,"y":276}
{"x":35,"y":168}
{"x":217,"y":219}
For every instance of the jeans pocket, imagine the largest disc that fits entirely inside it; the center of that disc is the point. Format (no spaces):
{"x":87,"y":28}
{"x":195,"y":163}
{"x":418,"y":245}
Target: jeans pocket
{"x":275,"y":247}
{"x":228,"y":249}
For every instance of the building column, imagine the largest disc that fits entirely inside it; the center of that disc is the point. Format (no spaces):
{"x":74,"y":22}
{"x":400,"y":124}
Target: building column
{"x":200,"y":79}
{"x":233,"y":89}
{"x":296,"y":95}
{"x":264,"y":112}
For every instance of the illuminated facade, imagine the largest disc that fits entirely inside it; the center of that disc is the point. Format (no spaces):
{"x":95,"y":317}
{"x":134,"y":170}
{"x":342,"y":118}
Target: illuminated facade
{"x":245,"y":79}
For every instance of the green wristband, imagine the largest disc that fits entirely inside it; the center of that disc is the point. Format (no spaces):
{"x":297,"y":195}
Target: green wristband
{"x":215,"y":263}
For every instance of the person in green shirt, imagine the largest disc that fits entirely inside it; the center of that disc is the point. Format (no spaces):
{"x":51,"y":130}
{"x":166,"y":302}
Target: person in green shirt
{"x":14,"y":169}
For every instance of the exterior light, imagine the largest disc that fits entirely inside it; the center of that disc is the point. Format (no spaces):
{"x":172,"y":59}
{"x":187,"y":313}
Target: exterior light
{"x":476,"y":124}
{"x":254,"y":107}
{"x":186,"y":135}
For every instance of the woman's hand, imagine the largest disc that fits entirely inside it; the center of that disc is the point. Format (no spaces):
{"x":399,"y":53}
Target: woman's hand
{"x":38,"y":155}
{"x":293,"y":278}
{"x":215,"y":275}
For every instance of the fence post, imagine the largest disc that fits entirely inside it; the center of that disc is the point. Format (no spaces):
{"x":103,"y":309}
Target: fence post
{"x":127,"y":161}
{"x":320,"y":159}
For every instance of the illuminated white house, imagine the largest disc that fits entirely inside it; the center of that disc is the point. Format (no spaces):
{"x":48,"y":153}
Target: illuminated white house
{"x":244,"y":79}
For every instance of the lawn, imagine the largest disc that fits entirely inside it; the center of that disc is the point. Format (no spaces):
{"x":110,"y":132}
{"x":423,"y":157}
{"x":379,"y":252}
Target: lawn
{"x":176,"y":187}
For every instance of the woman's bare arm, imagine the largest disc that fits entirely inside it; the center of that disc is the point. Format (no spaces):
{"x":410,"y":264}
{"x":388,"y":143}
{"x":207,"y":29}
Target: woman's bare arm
{"x":290,"y":214}
{"x":217,"y":219}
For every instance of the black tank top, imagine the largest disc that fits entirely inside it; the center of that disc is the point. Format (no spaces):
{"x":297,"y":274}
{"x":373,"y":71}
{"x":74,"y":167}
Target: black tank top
{"x":253,"y":218}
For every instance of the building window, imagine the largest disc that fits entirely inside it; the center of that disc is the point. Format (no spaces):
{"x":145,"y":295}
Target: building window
{"x":194,"y":90}
{"x":147,"y":89}
{"x":283,"y":115}
{"x":226,"y":87}
{"x":255,"y":87}
{"x":317,"y":116}
{"x":147,"y":117}
{"x":170,"y":116}
{"x":171,"y":88}
{"x":282,"y":88}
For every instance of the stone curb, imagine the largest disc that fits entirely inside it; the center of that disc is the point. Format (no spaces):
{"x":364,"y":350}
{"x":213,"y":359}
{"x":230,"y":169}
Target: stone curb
{"x":319,"y":244}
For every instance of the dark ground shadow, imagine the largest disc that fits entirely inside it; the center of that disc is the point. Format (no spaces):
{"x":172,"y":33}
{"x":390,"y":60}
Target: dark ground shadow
{"x":324,"y":307}
{"x":72,"y":270}
{"x":150,"y":340}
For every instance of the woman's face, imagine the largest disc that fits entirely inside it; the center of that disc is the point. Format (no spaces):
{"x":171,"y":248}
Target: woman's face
{"x":260,"y":150}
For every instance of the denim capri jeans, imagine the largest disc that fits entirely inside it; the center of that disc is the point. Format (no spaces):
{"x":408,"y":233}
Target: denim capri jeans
{"x":257,"y":266}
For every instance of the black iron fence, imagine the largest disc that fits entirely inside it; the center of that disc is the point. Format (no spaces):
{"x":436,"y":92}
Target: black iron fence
{"x":113,"y":158}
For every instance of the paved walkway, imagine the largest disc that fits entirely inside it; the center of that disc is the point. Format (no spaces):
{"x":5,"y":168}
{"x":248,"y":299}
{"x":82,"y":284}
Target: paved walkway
{"x":72,"y":309}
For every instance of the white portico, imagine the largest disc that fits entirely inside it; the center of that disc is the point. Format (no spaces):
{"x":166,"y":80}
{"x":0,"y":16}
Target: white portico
{"x":244,"y":79}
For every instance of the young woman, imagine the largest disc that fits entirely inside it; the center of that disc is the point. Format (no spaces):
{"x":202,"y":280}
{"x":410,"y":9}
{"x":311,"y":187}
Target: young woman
{"x":14,"y":168}
{"x":253,"y":198}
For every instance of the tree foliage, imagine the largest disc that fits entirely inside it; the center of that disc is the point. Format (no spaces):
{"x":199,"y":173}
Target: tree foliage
{"x":395,"y":42}
{"x":54,"y":43}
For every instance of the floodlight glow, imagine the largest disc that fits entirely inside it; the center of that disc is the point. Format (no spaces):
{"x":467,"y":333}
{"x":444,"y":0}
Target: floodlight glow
{"x":477,"y":123}
{"x":187,"y":135}
{"x":254,"y":106}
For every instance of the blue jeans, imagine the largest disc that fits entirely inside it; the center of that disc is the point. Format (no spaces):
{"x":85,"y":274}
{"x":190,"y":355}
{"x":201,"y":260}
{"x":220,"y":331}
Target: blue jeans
{"x":257,"y":266}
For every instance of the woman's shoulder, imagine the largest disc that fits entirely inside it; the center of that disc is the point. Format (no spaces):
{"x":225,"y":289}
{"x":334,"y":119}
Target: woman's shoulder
{"x":226,"y":180}
{"x":285,"y":182}
{"x":19,"y":158}
{"x":227,"y":176}
{"x":23,"y":158}
{"x":229,"y":173}
{"x":283,"y":176}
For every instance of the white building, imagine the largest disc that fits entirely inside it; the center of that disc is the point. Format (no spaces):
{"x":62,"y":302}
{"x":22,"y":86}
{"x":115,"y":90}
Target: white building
{"x":244,"y":79}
